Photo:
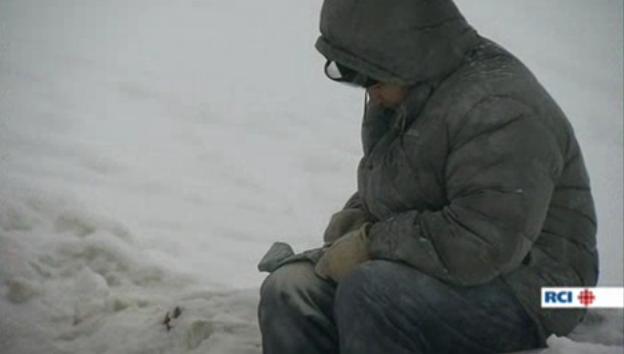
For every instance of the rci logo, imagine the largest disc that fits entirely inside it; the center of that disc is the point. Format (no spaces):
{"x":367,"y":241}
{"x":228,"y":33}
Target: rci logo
{"x":558,"y":297}
{"x":582,"y":297}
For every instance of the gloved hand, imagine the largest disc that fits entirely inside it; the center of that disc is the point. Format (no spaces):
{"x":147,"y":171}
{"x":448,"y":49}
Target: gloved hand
{"x":341,"y":258}
{"x":343,"y":222}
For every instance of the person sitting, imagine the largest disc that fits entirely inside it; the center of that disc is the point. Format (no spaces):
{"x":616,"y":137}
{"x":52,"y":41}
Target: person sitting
{"x":472,"y":195}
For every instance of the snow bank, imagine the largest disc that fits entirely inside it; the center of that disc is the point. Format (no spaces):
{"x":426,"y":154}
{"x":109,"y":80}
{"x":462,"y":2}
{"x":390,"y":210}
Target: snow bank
{"x":73,"y":282}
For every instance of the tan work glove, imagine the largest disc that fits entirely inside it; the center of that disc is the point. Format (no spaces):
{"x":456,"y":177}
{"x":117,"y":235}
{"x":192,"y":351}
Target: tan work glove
{"x":341,"y":258}
{"x":342,"y":222}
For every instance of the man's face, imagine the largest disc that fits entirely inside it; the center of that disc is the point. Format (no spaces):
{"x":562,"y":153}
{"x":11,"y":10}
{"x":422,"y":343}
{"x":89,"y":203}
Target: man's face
{"x":387,"y":95}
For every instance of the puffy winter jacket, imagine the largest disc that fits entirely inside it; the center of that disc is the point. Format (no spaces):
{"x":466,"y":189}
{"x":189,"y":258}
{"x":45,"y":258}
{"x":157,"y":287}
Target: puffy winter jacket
{"x":478,"y":173}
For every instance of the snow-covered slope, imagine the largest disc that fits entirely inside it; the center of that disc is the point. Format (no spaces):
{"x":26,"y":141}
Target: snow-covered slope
{"x":150,"y":152}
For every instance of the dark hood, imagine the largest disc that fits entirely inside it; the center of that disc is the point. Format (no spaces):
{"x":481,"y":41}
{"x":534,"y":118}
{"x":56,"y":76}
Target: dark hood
{"x":397,"y":41}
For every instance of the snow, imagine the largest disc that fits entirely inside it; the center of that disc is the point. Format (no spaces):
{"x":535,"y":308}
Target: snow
{"x":151,"y":151}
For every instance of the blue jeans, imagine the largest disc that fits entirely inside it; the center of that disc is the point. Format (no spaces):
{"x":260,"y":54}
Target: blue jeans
{"x":388,"y":307}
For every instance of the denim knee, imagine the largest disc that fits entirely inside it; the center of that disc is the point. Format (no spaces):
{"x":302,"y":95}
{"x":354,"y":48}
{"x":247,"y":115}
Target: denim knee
{"x":289,"y":286}
{"x":289,"y":279}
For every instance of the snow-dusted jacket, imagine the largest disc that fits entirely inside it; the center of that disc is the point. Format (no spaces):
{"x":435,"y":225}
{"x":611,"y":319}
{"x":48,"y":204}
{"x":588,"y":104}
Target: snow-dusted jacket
{"x":478,"y":174}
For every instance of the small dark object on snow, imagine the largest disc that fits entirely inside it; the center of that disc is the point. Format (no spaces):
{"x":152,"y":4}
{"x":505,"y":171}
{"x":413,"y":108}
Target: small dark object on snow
{"x":177,"y":311}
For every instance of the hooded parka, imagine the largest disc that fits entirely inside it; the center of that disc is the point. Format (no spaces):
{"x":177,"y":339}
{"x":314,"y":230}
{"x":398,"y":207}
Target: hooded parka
{"x":477,"y":174}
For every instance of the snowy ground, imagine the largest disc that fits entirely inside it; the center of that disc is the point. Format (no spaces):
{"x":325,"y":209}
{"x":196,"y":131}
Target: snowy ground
{"x":150,"y":152}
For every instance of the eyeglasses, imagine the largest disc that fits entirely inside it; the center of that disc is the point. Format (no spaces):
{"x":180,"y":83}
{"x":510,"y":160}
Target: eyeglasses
{"x":341,"y":73}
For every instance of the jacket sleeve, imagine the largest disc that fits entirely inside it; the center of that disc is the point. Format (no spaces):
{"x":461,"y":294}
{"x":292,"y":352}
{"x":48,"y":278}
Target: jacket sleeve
{"x":499,"y":179}
{"x":352,"y":216}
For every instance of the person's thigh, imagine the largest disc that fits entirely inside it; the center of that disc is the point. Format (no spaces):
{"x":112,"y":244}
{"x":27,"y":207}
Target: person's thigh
{"x":410,"y":312}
